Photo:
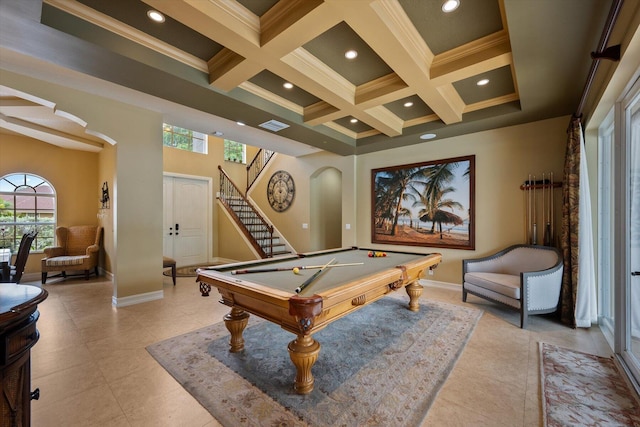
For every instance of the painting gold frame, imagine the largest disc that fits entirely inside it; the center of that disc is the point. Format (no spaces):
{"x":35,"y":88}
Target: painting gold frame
{"x":428,"y":204}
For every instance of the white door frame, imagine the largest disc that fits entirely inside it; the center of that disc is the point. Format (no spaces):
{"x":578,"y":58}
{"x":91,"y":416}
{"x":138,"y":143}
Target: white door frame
{"x":209,"y":204}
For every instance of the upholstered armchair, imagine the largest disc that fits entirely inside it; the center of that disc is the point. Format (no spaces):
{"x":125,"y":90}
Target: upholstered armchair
{"x":78,"y":249}
{"x":524,"y":277}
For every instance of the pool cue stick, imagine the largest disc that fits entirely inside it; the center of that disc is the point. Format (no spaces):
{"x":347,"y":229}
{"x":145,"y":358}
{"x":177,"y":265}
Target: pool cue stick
{"x":529,"y":209}
{"x":547,"y":227}
{"x":524,"y":199}
{"x":301,"y":267}
{"x":543,"y":211}
{"x":535,"y":223}
{"x":261,"y":270}
{"x":309,"y":267}
{"x":552,"y":213}
{"x":312,"y":278}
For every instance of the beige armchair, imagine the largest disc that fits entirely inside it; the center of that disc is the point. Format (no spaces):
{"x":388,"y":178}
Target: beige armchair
{"x":524,"y":277}
{"x":78,"y":249}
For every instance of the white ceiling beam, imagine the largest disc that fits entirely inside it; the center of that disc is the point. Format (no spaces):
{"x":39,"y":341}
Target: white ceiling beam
{"x":49,"y":135}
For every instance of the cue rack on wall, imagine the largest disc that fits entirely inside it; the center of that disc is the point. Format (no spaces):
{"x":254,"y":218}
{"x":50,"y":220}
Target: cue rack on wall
{"x":539,"y":209}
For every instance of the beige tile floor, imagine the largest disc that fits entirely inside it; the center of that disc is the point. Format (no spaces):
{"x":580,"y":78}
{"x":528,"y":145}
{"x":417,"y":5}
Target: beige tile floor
{"x":93,"y":370}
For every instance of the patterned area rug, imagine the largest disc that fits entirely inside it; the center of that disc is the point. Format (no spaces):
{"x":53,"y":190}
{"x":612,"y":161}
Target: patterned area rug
{"x":382,"y":365}
{"x":581,"y":389}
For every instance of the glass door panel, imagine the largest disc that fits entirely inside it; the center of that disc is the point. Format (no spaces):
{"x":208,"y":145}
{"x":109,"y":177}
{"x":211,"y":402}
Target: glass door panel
{"x":606,"y":297}
{"x":633,"y":289}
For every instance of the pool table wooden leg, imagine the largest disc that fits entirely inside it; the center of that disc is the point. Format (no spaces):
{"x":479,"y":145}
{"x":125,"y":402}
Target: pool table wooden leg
{"x":414,"y":290}
{"x":304,"y":351}
{"x":235,"y":322}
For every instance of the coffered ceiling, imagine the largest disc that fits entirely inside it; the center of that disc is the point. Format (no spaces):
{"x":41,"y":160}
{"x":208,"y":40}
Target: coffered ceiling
{"x":415,"y":75}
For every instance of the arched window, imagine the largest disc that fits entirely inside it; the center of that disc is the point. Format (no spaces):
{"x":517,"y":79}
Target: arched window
{"x":27,"y":202}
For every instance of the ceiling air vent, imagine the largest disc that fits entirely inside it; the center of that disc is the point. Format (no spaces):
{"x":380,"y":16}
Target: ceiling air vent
{"x":274,"y":125}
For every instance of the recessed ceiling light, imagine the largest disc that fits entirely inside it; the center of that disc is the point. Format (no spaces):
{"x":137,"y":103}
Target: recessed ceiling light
{"x":483,"y":82}
{"x":350,"y":54}
{"x":156,"y":16}
{"x":408,"y":104}
{"x":217,"y":133}
{"x":240,"y":123}
{"x":354,"y":120}
{"x":450,"y":5}
{"x":288,"y":85}
{"x":428,"y":136}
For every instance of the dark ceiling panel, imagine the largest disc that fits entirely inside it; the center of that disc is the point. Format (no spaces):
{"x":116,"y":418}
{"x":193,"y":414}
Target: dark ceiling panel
{"x":134,"y":14}
{"x":274,"y":84}
{"x":418,"y":109}
{"x":442,"y":31}
{"x":109,"y":41}
{"x":331,"y":46}
{"x":500,"y":83}
{"x":355,"y":127}
{"x":258,"y":7}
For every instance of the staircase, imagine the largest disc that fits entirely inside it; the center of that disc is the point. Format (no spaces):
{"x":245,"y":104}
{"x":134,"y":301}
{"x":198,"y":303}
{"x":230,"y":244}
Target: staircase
{"x":257,"y":230}
{"x":257,"y":165}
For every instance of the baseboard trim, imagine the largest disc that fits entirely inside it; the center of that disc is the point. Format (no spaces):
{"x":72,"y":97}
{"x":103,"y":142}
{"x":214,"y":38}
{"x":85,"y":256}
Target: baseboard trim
{"x":30,"y":277}
{"x":107,"y":274}
{"x":137,"y":299}
{"x":437,"y":284}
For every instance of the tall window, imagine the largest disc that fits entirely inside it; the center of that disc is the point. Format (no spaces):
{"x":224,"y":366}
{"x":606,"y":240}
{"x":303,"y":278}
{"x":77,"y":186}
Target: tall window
{"x":184,"y":139}
{"x":235,"y":151}
{"x":27,"y":202}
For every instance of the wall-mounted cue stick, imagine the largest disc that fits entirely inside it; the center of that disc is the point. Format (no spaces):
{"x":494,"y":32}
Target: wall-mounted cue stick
{"x":312,"y":278}
{"x":300,"y":267}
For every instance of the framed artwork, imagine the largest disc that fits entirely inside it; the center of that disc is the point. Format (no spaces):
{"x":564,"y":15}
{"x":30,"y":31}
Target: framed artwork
{"x":425,"y":204}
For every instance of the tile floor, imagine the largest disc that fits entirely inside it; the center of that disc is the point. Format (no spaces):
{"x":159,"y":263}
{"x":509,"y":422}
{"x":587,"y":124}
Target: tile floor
{"x":93,"y":370}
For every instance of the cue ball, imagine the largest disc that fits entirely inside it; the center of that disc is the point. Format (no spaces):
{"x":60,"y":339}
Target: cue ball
{"x":296,"y":270}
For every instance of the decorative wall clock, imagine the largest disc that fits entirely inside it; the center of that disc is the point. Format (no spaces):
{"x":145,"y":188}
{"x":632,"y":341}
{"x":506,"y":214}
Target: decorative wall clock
{"x":281,"y":191}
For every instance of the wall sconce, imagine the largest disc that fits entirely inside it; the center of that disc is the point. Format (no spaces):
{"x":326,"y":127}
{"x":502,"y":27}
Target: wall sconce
{"x":105,"y":196}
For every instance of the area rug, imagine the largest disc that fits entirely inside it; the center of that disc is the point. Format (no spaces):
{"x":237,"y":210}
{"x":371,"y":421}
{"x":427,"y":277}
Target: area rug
{"x":580,"y":389}
{"x":382,"y":365}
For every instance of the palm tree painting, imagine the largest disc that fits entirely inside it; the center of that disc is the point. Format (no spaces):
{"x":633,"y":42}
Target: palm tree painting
{"x":425,"y":204}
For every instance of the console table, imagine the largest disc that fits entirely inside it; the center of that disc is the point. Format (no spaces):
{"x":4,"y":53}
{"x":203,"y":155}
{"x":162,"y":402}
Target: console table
{"x":18,"y":333}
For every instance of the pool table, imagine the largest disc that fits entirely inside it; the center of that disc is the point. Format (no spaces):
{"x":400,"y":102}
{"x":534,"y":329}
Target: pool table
{"x":267,"y":288}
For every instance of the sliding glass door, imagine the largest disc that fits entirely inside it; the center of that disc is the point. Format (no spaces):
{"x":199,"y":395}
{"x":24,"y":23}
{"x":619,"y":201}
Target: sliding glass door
{"x":619,"y":230}
{"x":632,"y":303}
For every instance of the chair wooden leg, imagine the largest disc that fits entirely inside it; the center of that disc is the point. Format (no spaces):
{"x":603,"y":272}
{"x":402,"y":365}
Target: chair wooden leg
{"x":523,"y":319}
{"x":173,"y":274}
{"x":44,"y":277}
{"x":464,"y":295}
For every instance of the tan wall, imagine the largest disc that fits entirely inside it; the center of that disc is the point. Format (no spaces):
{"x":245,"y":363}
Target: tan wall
{"x":73,"y":174}
{"x":290,"y":222}
{"x":107,"y":173}
{"x":136,"y":206}
{"x":504,"y":158}
{"x":233,"y":245}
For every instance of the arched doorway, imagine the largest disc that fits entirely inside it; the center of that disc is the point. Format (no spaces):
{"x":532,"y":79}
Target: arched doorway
{"x":326,"y":209}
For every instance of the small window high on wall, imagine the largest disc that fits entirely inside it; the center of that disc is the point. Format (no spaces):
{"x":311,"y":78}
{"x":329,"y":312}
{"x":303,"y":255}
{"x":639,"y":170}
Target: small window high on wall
{"x":184,"y":139}
{"x":235,"y":151}
{"x":27,"y":202}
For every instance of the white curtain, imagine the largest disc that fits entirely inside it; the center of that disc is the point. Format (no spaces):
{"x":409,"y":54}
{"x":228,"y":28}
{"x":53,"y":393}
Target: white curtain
{"x":586,"y":311}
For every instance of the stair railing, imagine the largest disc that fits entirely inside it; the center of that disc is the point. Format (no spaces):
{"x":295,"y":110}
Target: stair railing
{"x":258,"y":163}
{"x":230,"y":193}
